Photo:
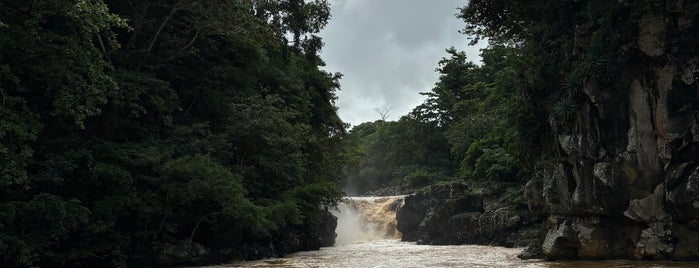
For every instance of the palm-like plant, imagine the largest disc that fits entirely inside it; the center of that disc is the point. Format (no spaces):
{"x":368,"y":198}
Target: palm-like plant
{"x":564,"y":108}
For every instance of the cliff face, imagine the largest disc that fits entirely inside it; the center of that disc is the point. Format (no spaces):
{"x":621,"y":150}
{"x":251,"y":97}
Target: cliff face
{"x":444,"y":215}
{"x":627,"y":180}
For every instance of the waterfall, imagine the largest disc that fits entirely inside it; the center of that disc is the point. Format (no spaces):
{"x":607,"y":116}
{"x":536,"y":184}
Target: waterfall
{"x":367,"y":218}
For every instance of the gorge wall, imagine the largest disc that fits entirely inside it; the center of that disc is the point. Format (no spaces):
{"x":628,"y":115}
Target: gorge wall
{"x":626,"y":183}
{"x":443,"y":214}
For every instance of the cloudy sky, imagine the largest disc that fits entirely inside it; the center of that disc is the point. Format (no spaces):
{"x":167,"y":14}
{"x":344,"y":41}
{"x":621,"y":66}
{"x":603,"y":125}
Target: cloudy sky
{"x":387,"y":51}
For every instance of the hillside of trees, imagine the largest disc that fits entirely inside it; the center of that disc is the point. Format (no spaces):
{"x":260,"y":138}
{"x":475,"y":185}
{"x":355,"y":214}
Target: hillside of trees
{"x":473,"y":126}
{"x":129,"y":129}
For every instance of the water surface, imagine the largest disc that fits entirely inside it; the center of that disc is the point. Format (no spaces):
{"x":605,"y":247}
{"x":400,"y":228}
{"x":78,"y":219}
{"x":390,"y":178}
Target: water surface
{"x":394,"y":253}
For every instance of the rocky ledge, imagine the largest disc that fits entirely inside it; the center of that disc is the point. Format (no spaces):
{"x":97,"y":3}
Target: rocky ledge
{"x":607,"y":216}
{"x":456,"y":213}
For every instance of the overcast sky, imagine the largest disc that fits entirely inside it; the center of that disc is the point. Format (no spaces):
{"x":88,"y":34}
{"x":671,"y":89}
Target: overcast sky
{"x":387,"y":51}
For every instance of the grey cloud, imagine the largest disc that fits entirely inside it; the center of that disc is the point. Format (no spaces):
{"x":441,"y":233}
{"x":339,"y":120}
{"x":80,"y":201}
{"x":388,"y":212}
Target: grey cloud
{"x":388,"y":50}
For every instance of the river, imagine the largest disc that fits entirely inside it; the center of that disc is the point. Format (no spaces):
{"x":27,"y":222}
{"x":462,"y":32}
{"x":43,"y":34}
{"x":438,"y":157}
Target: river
{"x":394,"y":253}
{"x":367,"y":238}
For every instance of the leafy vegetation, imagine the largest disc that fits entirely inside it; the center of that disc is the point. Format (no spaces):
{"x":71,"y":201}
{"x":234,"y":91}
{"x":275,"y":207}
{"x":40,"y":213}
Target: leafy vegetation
{"x":132,"y":126}
{"x":467,"y":129}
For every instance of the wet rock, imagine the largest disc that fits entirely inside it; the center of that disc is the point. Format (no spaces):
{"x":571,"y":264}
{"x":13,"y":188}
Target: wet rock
{"x":440,"y":215}
{"x":651,"y":37}
{"x":326,"y":235}
{"x":647,"y":209}
{"x":586,"y":237}
{"x":561,"y":241}
{"x":655,"y":242}
{"x":486,"y":228}
{"x":584,"y":187}
{"x":558,"y":188}
{"x":682,"y":186}
{"x":593,"y":238}
{"x":411,"y":215}
{"x":531,"y":252}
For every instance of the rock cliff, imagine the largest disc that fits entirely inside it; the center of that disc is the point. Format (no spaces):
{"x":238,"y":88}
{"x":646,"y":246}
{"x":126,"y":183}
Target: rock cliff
{"x":444,"y":214}
{"x":626,"y":183}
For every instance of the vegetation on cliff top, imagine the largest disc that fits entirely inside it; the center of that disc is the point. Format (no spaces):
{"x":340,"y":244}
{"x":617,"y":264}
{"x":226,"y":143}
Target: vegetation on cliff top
{"x":498,"y":121}
{"x":473,"y":126}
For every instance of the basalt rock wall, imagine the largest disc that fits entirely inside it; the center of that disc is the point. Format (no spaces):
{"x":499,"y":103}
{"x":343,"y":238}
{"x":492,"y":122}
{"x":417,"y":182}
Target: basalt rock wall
{"x":444,"y":215}
{"x":626,"y":184}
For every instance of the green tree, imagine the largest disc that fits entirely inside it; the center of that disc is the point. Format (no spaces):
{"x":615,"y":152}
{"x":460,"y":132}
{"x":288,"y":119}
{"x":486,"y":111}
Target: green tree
{"x":132,"y":128}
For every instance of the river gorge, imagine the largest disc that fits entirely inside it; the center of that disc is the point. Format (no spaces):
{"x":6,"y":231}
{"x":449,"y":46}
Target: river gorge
{"x":367,"y":237}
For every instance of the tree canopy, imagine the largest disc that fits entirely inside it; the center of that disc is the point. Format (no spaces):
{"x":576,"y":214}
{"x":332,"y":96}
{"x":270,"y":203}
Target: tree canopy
{"x":131,"y":126}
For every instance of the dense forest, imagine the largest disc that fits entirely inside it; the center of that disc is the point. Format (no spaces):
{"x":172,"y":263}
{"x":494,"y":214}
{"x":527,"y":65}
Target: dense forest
{"x":170,"y":132}
{"x":462,"y":157}
{"x":471,"y":127}
{"x":143,"y":131}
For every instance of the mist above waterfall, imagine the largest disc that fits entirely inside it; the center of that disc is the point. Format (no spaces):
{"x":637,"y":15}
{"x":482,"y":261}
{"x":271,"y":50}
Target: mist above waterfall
{"x":367,"y":218}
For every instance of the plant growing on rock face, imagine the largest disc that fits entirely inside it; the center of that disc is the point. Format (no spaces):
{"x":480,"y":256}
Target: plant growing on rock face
{"x":564,"y":105}
{"x":564,"y":108}
{"x":573,"y":82}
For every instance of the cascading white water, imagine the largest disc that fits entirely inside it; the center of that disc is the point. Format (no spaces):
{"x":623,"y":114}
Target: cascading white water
{"x":367,"y":218}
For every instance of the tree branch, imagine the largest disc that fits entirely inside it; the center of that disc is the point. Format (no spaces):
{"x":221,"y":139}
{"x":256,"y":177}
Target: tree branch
{"x":185,"y":47}
{"x":104,"y":49}
{"x":160,"y":29}
{"x":199,"y":222}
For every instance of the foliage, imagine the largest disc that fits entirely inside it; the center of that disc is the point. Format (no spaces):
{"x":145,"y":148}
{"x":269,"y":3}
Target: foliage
{"x":128,"y":126}
{"x":422,"y":178}
{"x":396,"y":150}
{"x":470,"y":127}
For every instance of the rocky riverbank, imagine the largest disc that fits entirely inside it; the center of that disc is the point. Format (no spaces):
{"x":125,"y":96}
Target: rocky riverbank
{"x":261,"y":243}
{"x":457,"y":213}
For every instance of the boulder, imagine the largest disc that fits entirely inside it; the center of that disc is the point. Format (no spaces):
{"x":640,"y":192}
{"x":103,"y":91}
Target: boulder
{"x":655,"y":242}
{"x":647,"y":209}
{"x":682,"y":194}
{"x":561,"y":241}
